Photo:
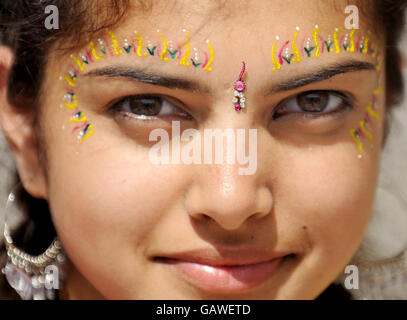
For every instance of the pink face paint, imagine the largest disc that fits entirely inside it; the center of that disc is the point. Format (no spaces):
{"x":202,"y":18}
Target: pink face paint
{"x":323,"y":44}
{"x":206,"y":59}
{"x":281,"y":52}
{"x":90,"y":57}
{"x":342,"y":40}
{"x":109,"y":47}
{"x":80,"y":127}
{"x":179,"y":53}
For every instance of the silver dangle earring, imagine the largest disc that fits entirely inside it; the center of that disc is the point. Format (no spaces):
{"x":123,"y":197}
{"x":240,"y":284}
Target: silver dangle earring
{"x":33,"y":277}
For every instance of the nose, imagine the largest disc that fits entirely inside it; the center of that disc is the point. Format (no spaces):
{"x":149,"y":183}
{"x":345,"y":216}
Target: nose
{"x":228,"y":198}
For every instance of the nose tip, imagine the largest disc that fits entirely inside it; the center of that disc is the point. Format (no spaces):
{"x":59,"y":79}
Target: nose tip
{"x":229,"y":199}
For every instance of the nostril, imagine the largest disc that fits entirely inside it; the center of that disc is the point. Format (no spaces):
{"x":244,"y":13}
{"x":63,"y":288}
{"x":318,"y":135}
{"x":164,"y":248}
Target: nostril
{"x":201,"y":217}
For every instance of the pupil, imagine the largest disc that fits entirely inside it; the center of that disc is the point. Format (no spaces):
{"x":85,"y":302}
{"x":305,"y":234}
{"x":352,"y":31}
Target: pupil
{"x":146,"y":106}
{"x":313,"y":102}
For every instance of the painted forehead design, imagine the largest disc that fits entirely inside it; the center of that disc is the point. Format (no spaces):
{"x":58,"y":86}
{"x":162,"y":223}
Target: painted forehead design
{"x":315,"y":45}
{"x":138,"y":46}
{"x":168,"y":50}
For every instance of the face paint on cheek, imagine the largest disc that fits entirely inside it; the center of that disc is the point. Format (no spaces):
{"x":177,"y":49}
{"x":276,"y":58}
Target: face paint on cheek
{"x":366,"y":126}
{"x":71,"y":103}
{"x":78,"y":117}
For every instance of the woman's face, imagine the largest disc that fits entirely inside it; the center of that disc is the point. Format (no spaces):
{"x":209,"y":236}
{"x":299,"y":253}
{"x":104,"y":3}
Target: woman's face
{"x":136,"y":229}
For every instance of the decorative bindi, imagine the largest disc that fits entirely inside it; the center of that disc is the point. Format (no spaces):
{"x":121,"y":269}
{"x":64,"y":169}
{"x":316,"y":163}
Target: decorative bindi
{"x":239,"y":99}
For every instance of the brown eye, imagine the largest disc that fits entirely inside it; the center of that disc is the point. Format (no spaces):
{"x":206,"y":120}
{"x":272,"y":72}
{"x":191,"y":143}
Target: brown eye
{"x":315,"y":103}
{"x":147,"y":107}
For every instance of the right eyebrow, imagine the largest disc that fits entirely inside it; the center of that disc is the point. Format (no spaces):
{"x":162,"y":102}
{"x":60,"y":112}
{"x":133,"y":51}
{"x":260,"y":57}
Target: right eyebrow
{"x":140,"y":75}
{"x":320,"y":75}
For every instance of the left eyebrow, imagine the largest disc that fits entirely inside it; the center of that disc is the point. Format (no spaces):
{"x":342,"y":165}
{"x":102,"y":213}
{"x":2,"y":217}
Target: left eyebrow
{"x":149,"y":78}
{"x":320,"y":75}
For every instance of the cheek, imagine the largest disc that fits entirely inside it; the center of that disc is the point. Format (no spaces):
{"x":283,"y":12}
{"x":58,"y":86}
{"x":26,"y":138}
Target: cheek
{"x":105,"y":208}
{"x":331,"y":192}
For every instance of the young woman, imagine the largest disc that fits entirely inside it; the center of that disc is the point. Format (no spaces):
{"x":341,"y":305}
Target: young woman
{"x":106,"y":116}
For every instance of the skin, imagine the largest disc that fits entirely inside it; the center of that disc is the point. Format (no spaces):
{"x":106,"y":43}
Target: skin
{"x":114,"y":210}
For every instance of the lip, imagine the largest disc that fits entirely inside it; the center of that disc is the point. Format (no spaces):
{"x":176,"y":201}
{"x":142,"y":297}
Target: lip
{"x":224,"y":271}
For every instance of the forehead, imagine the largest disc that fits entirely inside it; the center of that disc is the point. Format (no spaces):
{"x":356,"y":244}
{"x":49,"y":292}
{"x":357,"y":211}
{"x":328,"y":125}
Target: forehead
{"x":229,"y":32}
{"x":229,"y":16}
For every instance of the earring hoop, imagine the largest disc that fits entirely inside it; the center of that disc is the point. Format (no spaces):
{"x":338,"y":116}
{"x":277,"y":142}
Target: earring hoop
{"x":32,"y":277}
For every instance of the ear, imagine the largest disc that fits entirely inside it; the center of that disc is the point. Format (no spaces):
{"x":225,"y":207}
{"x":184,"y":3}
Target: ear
{"x":19,"y":129}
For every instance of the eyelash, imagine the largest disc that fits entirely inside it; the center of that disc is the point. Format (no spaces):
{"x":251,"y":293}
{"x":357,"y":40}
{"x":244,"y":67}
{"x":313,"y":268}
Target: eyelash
{"x":345,"y":103}
{"x":117,"y":108}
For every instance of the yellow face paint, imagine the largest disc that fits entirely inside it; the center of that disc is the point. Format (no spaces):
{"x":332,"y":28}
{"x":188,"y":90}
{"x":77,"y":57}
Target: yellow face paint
{"x":374,"y":53}
{"x":71,"y":82}
{"x":79,"y":62}
{"x":366,"y":43}
{"x":92,"y":47}
{"x":357,"y":133}
{"x":355,"y":137}
{"x":139,"y":38}
{"x":89,"y":132}
{"x":115,"y":44}
{"x":365,"y":131}
{"x":165,"y":45}
{"x":377,"y":91}
{"x":372,"y":112}
{"x":352,"y":41}
{"x":336,"y":42}
{"x":295,"y":49}
{"x":379,"y":64}
{"x":207,"y":67}
{"x":82,"y":119}
{"x":73,"y":105}
{"x":273,"y":55}
{"x":185,"y":57}
{"x":315,"y":37}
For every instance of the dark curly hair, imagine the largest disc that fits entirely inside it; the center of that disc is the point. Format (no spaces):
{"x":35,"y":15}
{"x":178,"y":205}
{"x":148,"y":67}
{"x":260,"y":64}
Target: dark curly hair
{"x":21,"y":29}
